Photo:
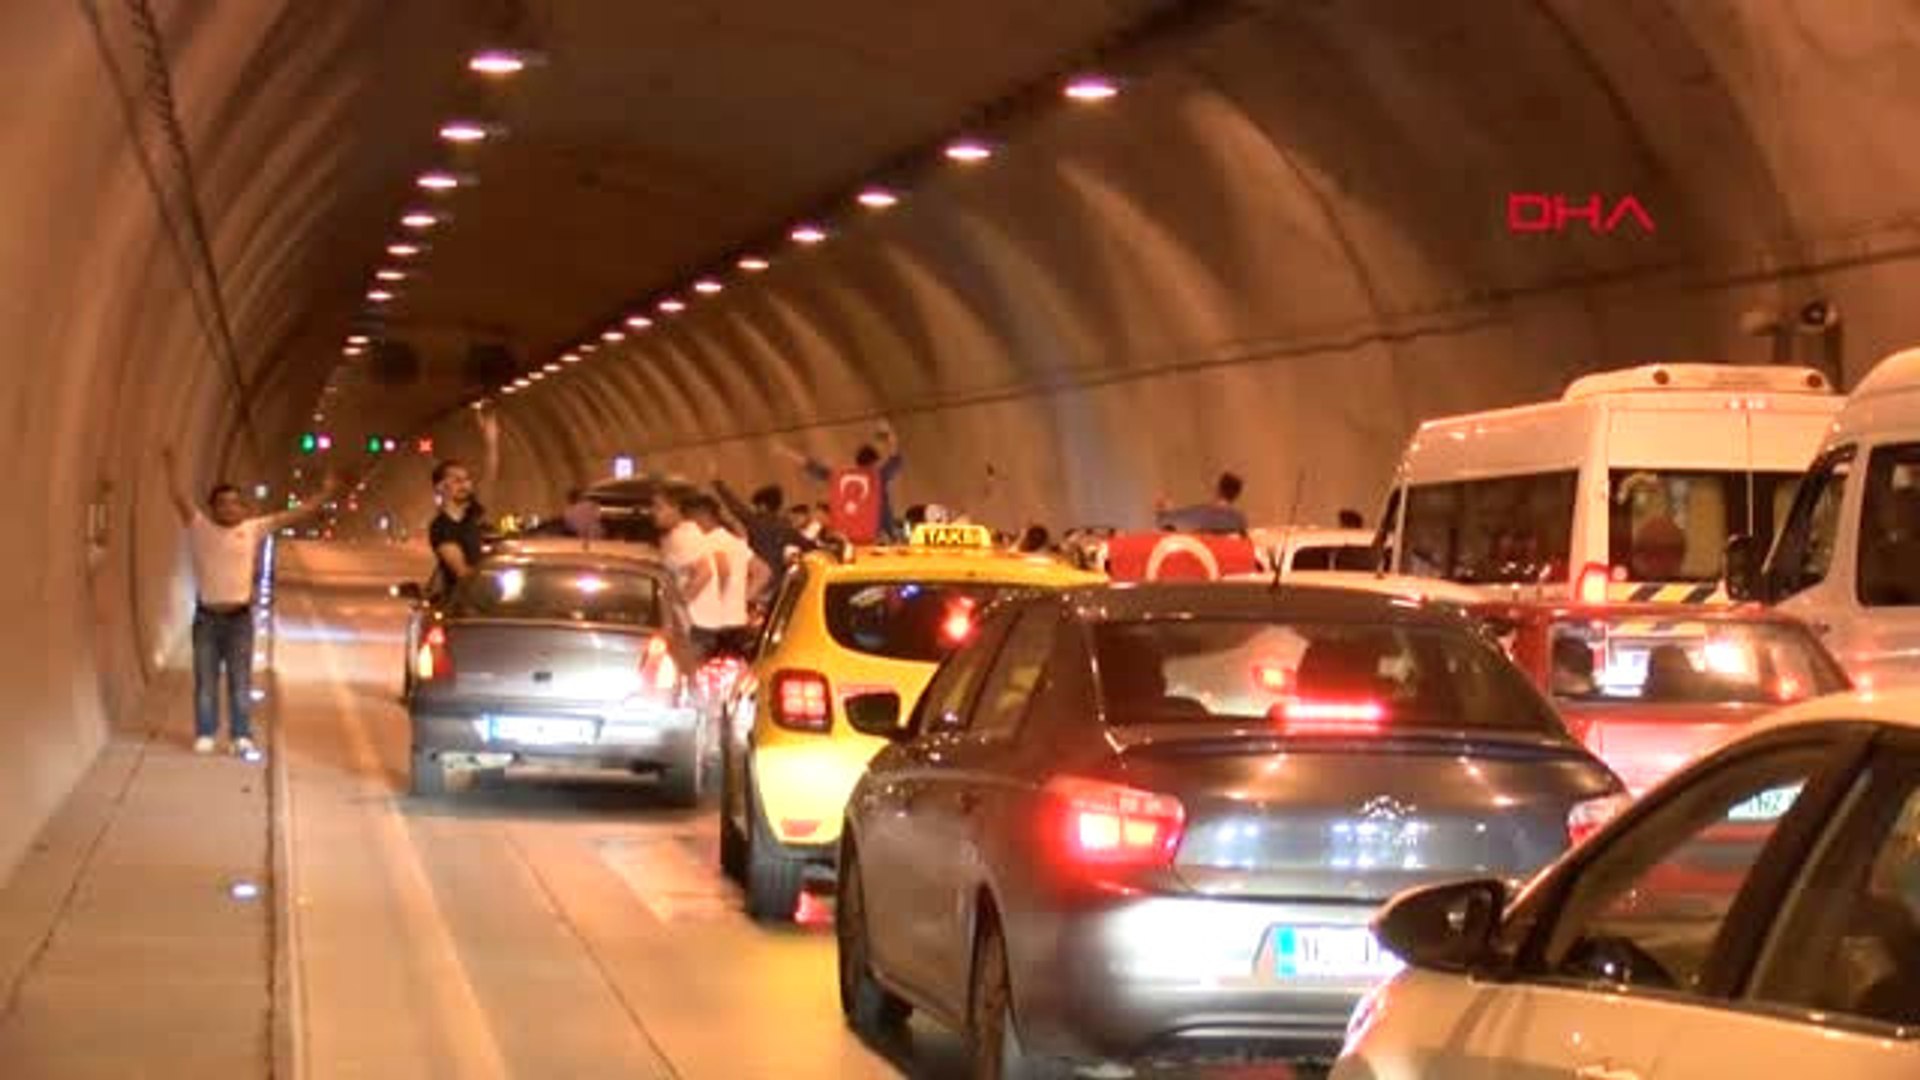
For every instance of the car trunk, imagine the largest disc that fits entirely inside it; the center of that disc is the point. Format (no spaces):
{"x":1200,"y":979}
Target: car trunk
{"x":535,"y":663}
{"x":1358,"y":818}
{"x":1646,"y":743}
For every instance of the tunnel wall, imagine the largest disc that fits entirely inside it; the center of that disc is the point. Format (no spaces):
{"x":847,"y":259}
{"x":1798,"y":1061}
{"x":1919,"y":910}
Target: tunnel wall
{"x":153,"y":292}
{"x":1281,"y":248}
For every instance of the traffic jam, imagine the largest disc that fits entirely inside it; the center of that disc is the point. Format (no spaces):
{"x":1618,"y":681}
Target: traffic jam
{"x":1593,"y":758}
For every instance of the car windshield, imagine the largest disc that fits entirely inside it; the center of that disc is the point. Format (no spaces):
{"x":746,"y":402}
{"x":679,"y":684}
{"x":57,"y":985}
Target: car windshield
{"x":907,"y":620}
{"x":1313,"y":677}
{"x":567,"y":593}
{"x":1675,"y":659}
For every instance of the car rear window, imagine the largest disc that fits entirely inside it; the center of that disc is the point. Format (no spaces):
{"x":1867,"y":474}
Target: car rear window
{"x":566,"y":593}
{"x":1673,"y":659}
{"x":1334,"y":677}
{"x":908,"y":620}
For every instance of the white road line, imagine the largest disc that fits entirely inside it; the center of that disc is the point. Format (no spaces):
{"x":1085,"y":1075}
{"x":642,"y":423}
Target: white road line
{"x":474,"y":1050}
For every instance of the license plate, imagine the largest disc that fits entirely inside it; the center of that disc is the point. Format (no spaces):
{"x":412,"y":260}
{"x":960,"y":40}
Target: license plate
{"x":539,"y":731}
{"x":1305,"y":952}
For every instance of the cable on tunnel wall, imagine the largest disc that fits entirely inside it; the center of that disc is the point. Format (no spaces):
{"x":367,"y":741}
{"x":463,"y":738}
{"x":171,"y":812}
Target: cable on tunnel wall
{"x":179,"y":204}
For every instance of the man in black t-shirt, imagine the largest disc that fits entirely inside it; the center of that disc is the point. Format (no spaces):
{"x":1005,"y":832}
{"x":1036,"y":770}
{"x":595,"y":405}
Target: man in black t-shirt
{"x":456,"y":530}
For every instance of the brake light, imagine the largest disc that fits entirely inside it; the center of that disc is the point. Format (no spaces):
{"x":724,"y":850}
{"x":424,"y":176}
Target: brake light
{"x":1307,"y":717}
{"x":1587,"y":818}
{"x":801,"y":701}
{"x":1591,"y":586}
{"x":1270,"y":676}
{"x":433,"y":662}
{"x":658,"y":670}
{"x":1115,"y":825}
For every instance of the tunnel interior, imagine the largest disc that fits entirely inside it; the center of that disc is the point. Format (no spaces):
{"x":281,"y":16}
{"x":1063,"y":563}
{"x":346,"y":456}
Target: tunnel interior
{"x":1287,"y":239}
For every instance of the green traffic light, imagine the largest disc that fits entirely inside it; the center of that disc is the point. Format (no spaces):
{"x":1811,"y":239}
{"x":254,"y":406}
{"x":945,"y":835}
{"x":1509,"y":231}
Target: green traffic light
{"x":309,"y":443}
{"x":373,"y":444}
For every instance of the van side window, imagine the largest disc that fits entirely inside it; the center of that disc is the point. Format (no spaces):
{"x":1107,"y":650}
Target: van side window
{"x":1890,"y":528}
{"x":1507,"y":529}
{"x":1807,"y":541}
{"x":1674,"y":524}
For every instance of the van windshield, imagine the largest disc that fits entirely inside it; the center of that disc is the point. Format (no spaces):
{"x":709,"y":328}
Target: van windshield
{"x":1674,"y":524}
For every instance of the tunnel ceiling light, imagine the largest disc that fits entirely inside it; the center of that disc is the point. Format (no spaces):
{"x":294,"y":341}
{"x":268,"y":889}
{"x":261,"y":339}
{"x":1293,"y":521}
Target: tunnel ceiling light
{"x":707,"y":287}
{"x":509,"y":390}
{"x":753,"y":264}
{"x":390,"y":274}
{"x":352,"y":350}
{"x":613,"y":337}
{"x":969,"y":151}
{"x":357,"y":339}
{"x":879,"y":198}
{"x":442,"y":181}
{"x":499,"y":62}
{"x":639,"y":322}
{"x":536,"y":376}
{"x":420,"y":219}
{"x":672,"y":306}
{"x":467,"y":131}
{"x":551,"y":368}
{"x":379,"y":296}
{"x":570,"y":358}
{"x":404,"y":251}
{"x":588,"y":350}
{"x":1091,"y":89}
{"x":808,"y":234}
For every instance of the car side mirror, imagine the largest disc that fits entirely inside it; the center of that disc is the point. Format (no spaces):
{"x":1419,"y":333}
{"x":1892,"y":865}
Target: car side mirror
{"x":1444,"y":927}
{"x":876,"y":713}
{"x":408,"y":590}
{"x":1744,"y":575}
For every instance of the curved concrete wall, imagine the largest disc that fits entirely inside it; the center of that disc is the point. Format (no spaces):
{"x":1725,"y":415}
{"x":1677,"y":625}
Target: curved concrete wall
{"x":1283,"y":246}
{"x":1286,"y":244}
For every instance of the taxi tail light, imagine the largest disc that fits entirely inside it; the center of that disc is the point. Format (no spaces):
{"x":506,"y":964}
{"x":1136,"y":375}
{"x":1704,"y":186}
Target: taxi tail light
{"x":659,"y":672}
{"x":434,"y":661}
{"x":802,"y":701}
{"x":1591,"y":586}
{"x":1587,"y":818}
{"x":1098,"y":823}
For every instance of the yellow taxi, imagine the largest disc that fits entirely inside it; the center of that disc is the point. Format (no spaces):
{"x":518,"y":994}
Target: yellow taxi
{"x":864,"y":626}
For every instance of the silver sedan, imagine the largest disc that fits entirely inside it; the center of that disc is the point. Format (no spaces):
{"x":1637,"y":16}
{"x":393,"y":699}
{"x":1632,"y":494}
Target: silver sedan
{"x":573,"y":659}
{"x":1150,"y":824}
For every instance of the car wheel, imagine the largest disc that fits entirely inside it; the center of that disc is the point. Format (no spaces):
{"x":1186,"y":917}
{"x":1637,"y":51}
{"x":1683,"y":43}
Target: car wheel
{"x":733,"y":844}
{"x":773,"y":879}
{"x":993,"y":1039}
{"x":870,"y":1008}
{"x":428,"y":776}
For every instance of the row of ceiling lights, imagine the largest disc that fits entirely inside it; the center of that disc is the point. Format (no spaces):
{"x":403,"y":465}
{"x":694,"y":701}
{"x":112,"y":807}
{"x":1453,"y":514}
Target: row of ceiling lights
{"x":1084,"y":89}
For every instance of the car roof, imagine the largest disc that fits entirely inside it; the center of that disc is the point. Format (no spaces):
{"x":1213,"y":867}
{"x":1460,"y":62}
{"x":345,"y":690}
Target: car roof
{"x":576,"y":559}
{"x":1568,"y":609}
{"x":1134,"y":601}
{"x":922,"y":564}
{"x":1896,"y":708}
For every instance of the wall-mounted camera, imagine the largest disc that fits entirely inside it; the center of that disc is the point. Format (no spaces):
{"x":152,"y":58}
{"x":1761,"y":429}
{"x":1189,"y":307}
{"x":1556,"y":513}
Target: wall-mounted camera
{"x":1818,"y":317}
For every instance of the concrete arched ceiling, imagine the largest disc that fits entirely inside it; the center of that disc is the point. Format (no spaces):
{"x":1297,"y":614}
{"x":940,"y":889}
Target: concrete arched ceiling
{"x":1284,"y":243}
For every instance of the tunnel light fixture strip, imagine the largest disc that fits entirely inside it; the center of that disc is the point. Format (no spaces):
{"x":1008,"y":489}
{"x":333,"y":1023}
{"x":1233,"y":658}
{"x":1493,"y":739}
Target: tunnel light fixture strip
{"x":673,"y":306}
{"x":1091,"y":89}
{"x":753,"y":264}
{"x":878,"y":198}
{"x":639,"y":322}
{"x":708,"y":287}
{"x":503,"y":63}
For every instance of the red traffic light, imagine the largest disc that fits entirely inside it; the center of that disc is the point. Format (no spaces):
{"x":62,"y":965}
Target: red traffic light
{"x":426,"y":446}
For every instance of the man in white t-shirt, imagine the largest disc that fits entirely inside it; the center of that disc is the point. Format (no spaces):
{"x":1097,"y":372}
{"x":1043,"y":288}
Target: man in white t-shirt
{"x":744,"y":576}
{"x":225,"y":545}
{"x":686,"y":552}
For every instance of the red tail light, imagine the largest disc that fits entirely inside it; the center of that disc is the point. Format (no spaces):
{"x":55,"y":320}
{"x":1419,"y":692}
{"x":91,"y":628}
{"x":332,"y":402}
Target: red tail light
{"x":1586,"y":818}
{"x":1308,"y":717}
{"x":1115,"y":825}
{"x":433,"y":662}
{"x":801,"y":701}
{"x":1591,"y":586}
{"x":658,"y":671}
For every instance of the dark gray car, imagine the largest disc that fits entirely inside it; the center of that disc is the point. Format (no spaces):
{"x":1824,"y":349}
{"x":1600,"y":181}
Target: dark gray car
{"x":575,"y":659}
{"x":1152,"y":822}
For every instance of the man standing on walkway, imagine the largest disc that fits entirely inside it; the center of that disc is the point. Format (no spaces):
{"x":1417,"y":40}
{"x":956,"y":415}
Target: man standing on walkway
{"x":225,"y":545}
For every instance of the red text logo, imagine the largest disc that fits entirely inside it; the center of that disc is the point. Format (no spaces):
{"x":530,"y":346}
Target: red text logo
{"x":1535,"y":212}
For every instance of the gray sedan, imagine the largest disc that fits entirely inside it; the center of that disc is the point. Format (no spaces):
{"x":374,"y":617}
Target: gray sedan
{"x":577,"y":659}
{"x":1151,"y":823}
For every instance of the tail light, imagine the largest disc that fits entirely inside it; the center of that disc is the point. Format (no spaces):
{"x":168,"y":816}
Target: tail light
{"x":433,"y":662}
{"x":1309,"y":717}
{"x":1586,"y":818}
{"x":1591,"y":586}
{"x":659,"y":672}
{"x":1107,"y":824}
{"x":801,"y":701}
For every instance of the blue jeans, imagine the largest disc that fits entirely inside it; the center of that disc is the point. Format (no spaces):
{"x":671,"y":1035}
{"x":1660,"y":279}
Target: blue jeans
{"x":222,"y":640}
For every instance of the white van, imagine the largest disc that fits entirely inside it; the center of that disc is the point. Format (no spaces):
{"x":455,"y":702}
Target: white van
{"x":1848,"y":559}
{"x":1627,"y":488}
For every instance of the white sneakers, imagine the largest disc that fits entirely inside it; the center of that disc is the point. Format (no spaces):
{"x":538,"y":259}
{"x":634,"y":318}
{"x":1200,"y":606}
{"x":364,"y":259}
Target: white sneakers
{"x":241,"y":747}
{"x":203,"y":745}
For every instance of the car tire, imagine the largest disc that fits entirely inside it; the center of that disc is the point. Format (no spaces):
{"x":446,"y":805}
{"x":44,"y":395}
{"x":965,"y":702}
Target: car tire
{"x":773,"y":880}
{"x":733,"y":843}
{"x":871,"y":1010}
{"x":428,"y":776}
{"x":993,"y":1038}
{"x":680,"y":785}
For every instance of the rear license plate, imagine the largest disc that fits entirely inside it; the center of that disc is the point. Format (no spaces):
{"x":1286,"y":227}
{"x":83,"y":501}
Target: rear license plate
{"x":541,"y":731}
{"x":1333,"y":952}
